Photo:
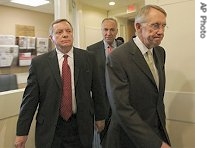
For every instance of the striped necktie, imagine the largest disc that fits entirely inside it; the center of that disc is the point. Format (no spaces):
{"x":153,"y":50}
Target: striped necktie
{"x":151,"y":64}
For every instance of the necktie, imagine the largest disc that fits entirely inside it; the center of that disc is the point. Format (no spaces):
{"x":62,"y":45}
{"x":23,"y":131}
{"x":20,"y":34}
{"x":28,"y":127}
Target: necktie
{"x":151,"y":64}
{"x":66,"y":100}
{"x":109,"y":49}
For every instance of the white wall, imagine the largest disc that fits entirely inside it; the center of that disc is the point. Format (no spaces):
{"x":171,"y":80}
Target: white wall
{"x":89,"y":21}
{"x":10,"y":16}
{"x":9,"y":109}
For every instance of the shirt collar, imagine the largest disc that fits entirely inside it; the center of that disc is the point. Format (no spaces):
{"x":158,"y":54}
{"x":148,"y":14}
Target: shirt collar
{"x":60,"y":54}
{"x":141,"y":46}
{"x":114,"y":44}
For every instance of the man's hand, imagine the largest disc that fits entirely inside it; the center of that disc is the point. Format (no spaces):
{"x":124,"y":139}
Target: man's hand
{"x":100,"y":125}
{"x":20,"y":141}
{"x":165,"y":145}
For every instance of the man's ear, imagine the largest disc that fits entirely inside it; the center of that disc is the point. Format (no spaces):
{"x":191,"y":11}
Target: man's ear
{"x":137,"y":26}
{"x":50,"y":37}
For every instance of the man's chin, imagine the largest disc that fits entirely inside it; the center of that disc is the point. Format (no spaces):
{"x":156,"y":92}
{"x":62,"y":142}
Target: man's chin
{"x":66,"y":46}
{"x":109,"y":41}
{"x":157,"y":43}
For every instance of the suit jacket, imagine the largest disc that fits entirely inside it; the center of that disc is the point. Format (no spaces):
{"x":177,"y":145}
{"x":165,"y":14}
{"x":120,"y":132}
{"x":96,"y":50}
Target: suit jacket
{"x":99,"y":51}
{"x":44,"y":91}
{"x":138,"y":109}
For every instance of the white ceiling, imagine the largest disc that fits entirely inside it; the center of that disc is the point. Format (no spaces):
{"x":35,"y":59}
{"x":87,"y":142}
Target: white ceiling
{"x":47,"y":8}
{"x":101,"y":4}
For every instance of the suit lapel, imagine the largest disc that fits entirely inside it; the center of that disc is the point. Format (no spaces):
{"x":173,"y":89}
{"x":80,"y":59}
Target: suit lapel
{"x":102,"y":51}
{"x":159,"y":65}
{"x":54,"y":67}
{"x":138,"y":58}
{"x":76,"y":65}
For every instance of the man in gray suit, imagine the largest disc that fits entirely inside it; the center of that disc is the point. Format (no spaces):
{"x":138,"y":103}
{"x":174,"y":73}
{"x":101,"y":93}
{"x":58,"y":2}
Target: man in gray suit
{"x":44,"y":91}
{"x":136,"y":95}
{"x":101,"y":49}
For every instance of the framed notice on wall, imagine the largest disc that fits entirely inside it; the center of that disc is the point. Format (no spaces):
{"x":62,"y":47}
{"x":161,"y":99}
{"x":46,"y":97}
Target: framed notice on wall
{"x":24,"y":30}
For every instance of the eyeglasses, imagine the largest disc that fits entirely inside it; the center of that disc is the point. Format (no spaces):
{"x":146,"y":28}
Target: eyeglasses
{"x":157,"y":26}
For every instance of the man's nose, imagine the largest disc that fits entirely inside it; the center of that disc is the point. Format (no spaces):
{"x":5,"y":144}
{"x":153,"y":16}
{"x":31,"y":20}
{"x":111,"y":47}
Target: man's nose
{"x":65,"y":34}
{"x":161,"y":30}
{"x":108,"y":31}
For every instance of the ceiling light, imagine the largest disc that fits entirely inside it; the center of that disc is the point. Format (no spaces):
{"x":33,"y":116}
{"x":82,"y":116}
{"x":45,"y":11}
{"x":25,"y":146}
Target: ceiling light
{"x":111,"y":3}
{"x":33,"y":3}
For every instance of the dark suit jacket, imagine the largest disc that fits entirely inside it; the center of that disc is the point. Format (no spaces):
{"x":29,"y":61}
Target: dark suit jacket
{"x":137,"y":104}
{"x":44,"y":91}
{"x":99,"y":51}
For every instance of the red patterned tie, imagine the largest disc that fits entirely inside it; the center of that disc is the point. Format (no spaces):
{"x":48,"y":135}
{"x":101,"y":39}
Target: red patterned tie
{"x":66,"y":100}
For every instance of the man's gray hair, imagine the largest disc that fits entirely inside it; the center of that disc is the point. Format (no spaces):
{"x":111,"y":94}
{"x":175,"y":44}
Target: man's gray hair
{"x":141,"y":16}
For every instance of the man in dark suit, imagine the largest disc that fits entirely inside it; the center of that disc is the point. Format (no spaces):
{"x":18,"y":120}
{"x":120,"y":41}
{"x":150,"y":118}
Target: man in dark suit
{"x":135,"y":91}
{"x":101,"y":49}
{"x":44,"y":91}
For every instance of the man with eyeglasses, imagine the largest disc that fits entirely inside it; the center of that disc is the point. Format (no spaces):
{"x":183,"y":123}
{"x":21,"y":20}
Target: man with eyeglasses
{"x":135,"y":81}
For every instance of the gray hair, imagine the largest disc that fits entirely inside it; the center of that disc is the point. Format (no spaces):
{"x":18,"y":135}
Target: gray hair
{"x":109,"y":19}
{"x":56,"y":22}
{"x":141,"y":16}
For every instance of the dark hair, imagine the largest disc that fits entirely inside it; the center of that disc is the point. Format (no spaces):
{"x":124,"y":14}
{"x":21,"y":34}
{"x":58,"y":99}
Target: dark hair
{"x":120,"y":39}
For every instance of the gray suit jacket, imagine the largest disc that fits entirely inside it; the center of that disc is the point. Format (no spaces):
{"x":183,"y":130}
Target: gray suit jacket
{"x":138,"y":119}
{"x":44,"y":91}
